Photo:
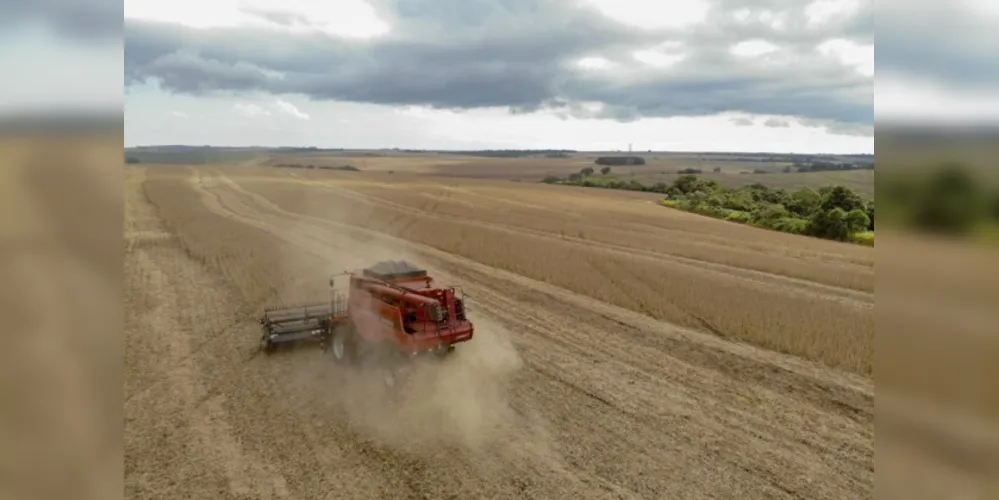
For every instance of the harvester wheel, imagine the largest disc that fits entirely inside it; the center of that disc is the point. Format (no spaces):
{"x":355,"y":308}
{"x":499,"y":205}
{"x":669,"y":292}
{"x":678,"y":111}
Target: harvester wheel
{"x":444,"y":352}
{"x":342,"y":345}
{"x":265,"y":342}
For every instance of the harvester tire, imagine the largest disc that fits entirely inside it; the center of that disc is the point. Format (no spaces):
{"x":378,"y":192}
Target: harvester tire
{"x":343,"y":345}
{"x":444,"y":352}
{"x":265,"y":343}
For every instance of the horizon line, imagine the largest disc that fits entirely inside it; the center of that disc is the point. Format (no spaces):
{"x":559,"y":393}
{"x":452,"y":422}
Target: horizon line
{"x":462,"y":150}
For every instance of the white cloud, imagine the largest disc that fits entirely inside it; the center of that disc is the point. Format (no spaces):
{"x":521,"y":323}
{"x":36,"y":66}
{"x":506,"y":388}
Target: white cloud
{"x":851,"y":54}
{"x":250,"y":110}
{"x":742,"y":15}
{"x":290,"y":109}
{"x":346,"y":18}
{"x":826,"y":11}
{"x":988,"y":8}
{"x":178,"y":114}
{"x":657,"y":59}
{"x":777,"y":123}
{"x":594,"y":63}
{"x":776,"y":20}
{"x":753,"y":48}
{"x":653,"y":14}
{"x":904,"y":97}
{"x":662,"y":56}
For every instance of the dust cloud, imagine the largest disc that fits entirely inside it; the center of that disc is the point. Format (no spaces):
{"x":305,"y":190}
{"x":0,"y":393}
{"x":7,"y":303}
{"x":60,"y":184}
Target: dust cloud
{"x":461,"y":401}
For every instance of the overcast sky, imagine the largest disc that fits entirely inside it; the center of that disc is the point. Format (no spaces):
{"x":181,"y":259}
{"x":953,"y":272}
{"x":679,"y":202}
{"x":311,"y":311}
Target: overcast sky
{"x":749,"y":75}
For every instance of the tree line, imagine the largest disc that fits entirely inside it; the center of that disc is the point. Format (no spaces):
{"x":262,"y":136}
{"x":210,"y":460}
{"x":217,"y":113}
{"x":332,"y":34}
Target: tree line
{"x":832,"y":212}
{"x":951,"y":199}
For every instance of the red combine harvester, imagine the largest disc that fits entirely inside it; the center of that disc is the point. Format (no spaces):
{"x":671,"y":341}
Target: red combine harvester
{"x":389,"y":309}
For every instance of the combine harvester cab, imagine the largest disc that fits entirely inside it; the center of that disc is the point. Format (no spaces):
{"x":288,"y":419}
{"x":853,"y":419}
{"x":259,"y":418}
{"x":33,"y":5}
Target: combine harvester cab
{"x":389,"y":309}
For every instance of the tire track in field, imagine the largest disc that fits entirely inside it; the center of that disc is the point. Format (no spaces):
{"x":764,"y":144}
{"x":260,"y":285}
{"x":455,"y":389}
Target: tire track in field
{"x":200,"y":442}
{"x":485,"y":193}
{"x":534,"y":465}
{"x":624,"y":316}
{"x":772,"y":282}
{"x":401,"y":474}
{"x":733,"y":382}
{"x":856,"y":399}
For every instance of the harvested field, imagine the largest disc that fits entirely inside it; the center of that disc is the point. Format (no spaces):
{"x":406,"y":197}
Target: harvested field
{"x":623,"y":350}
{"x":659,"y":167}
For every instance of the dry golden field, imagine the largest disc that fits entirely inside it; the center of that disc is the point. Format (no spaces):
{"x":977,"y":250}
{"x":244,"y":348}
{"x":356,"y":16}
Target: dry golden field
{"x":659,"y":167}
{"x":623,"y":350}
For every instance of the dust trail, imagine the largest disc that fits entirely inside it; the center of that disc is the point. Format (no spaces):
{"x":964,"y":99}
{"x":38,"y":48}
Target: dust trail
{"x":459,"y":402}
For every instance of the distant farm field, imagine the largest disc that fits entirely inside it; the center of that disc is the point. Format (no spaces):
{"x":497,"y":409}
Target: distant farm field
{"x":859,"y":181}
{"x":733,"y":170}
{"x":659,"y":168}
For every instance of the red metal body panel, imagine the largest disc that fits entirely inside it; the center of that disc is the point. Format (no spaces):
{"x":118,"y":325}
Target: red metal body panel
{"x":401,"y":294}
{"x":412,"y":313}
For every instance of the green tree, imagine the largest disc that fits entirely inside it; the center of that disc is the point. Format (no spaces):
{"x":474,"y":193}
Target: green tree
{"x":770,"y":215}
{"x":586,"y":171}
{"x":842,"y":197}
{"x":685,"y":184}
{"x":634,"y":185}
{"x":605,"y":170}
{"x":696,"y":199}
{"x":857,"y":221}
{"x":739,"y":200}
{"x":804,"y":202}
{"x":575,"y":177}
{"x":951,"y":202}
{"x":829,"y":224}
{"x":715,"y":200}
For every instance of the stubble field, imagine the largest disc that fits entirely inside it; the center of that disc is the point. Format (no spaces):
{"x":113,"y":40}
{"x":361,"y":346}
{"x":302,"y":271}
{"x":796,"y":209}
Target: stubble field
{"x":623,"y":350}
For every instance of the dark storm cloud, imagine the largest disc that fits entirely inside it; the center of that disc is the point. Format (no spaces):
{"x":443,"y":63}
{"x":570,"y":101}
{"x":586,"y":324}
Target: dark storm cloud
{"x":515,"y":53}
{"x":76,"y":19}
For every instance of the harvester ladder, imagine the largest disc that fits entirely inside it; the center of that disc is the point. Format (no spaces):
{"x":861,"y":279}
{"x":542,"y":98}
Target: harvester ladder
{"x":338,"y":303}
